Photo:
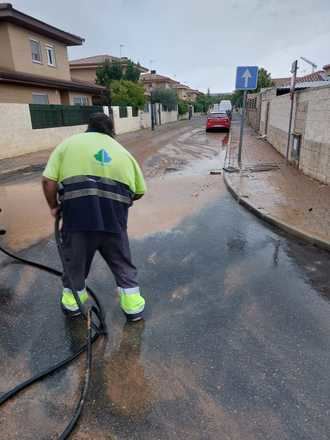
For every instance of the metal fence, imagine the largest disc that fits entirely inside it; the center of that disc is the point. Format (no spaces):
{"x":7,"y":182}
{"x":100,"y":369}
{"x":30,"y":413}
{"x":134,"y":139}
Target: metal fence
{"x":47,"y":116}
{"x":123,"y":113}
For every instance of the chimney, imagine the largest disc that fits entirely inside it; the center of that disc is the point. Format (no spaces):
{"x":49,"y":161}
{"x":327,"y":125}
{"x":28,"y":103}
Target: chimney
{"x":326,"y":68}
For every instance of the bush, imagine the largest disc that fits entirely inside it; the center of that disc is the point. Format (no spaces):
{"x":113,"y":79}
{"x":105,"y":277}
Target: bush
{"x":127,"y":93}
{"x":198,"y":107}
{"x":183,"y":107}
{"x":166,"y":97}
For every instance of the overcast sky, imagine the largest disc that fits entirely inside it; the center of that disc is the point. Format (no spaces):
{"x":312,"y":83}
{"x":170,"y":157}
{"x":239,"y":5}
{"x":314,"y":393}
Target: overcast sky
{"x":200,"y":43}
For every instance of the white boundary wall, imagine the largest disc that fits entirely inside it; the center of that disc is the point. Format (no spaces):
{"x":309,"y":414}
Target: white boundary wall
{"x":17,"y":136}
{"x":143,"y":120}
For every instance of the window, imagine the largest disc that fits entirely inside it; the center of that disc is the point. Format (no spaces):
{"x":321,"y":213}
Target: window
{"x":40,"y":98}
{"x":36,"y":51}
{"x":50,"y":50}
{"x":80,"y":100}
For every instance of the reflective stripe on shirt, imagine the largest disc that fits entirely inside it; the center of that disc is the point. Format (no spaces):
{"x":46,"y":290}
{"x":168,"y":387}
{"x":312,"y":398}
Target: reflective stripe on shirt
{"x":68,"y":195}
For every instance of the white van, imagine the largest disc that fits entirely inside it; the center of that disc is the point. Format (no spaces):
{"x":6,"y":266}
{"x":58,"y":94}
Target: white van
{"x":225,"y":105}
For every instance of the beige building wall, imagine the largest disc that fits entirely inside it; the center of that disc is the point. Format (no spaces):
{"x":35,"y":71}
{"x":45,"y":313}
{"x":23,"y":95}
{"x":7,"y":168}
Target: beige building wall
{"x":23,"y":94}
{"x":6,"y":58}
{"x":181,"y":94}
{"x":11,"y":93}
{"x":84,"y":74}
{"x":20,"y":43}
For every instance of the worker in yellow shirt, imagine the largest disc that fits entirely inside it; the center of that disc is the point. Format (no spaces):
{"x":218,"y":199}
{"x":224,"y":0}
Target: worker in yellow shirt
{"x":94,"y":180}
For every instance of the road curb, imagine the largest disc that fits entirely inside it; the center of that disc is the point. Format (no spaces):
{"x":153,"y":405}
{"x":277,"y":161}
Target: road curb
{"x":24,"y":169}
{"x":299,"y":233}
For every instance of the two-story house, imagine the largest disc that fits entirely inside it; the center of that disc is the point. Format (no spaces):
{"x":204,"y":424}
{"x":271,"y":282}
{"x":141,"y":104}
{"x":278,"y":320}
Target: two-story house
{"x":85,"y":68}
{"x":152,"y":81}
{"x":186,"y":93}
{"x":34,"y":66}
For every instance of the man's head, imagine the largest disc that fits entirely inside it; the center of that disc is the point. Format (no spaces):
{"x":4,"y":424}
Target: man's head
{"x":100,"y":123}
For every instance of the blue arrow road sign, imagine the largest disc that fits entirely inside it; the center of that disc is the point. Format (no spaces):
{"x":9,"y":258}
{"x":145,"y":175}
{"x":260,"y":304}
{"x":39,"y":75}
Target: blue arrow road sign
{"x":246,"y":77}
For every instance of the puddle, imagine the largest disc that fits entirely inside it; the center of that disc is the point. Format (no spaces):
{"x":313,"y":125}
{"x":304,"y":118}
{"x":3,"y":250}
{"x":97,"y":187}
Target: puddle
{"x":24,"y":214}
{"x":174,"y":196}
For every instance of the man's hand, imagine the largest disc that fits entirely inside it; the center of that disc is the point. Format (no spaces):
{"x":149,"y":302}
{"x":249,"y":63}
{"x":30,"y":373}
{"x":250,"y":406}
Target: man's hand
{"x":54,"y":211}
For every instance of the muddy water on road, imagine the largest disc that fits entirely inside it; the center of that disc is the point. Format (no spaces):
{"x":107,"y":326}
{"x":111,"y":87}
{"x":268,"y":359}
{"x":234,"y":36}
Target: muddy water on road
{"x":25,"y":214}
{"x":178,"y":181}
{"x":181,"y":183}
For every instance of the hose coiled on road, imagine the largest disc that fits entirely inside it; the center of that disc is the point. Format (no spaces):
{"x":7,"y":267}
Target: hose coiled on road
{"x":99,"y":330}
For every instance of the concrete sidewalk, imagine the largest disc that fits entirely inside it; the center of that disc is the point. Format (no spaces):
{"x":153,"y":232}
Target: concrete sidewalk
{"x":278,"y":193}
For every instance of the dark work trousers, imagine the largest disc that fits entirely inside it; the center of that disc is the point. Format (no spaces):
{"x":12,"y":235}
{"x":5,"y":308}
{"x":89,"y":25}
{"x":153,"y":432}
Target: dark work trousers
{"x":79,"y":249}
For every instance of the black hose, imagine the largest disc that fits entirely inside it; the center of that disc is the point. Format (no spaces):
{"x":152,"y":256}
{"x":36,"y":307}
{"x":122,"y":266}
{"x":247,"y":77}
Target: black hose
{"x":99,"y":329}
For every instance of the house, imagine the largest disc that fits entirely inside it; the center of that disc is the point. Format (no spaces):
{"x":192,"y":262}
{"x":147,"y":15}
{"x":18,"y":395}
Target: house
{"x":319,"y":78}
{"x":34,"y":66}
{"x":152,"y":81}
{"x":185,"y":93}
{"x":85,"y":68}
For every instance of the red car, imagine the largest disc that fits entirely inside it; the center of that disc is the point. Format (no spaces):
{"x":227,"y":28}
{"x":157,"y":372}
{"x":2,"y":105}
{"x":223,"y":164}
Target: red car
{"x":218,"y":120}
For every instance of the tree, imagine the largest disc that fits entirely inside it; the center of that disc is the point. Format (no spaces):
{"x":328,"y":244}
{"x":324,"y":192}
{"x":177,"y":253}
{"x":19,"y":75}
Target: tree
{"x":183,"y":107}
{"x":204,"y":102}
{"x":127,"y":93}
{"x":167,"y":97}
{"x":132,"y":72}
{"x":108,"y":72}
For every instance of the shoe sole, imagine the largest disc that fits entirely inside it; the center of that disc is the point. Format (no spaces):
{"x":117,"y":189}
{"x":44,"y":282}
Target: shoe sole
{"x":70,"y":313}
{"x":133,"y":318}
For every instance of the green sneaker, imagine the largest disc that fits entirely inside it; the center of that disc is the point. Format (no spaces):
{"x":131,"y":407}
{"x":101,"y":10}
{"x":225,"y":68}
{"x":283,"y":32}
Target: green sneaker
{"x":68,"y":303}
{"x":131,"y":303}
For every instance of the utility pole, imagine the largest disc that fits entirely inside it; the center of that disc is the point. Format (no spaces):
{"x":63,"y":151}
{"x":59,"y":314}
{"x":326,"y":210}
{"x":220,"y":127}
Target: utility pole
{"x":120,"y":49}
{"x":294,"y":69}
{"x":152,"y":111}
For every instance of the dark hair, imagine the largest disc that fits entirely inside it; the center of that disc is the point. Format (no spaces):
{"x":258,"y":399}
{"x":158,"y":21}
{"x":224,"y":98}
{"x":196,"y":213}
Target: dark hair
{"x":100,"y":123}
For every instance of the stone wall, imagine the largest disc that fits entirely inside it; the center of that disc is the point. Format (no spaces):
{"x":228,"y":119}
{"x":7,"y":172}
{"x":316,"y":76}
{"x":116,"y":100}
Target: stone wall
{"x":315,"y":149}
{"x":311,"y":120}
{"x":278,"y":123}
{"x":253,"y":107}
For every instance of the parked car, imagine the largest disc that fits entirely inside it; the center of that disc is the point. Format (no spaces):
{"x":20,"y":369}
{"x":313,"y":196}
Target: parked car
{"x":218,"y":120}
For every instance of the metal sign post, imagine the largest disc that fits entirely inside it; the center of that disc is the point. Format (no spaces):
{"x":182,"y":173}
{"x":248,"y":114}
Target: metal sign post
{"x":246,"y":79}
{"x":239,"y":158}
{"x":294,"y":69}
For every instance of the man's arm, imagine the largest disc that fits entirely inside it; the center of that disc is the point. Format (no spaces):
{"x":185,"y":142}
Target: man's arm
{"x":50,"y":191}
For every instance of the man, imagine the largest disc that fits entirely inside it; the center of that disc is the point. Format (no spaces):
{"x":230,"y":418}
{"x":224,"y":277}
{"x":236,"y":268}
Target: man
{"x":96,"y":181}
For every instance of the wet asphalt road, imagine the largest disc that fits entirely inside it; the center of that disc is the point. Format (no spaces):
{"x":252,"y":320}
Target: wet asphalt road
{"x":236,"y":342}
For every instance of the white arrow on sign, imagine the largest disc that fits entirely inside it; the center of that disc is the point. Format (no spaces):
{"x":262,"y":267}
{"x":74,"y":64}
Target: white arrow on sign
{"x":246,"y":75}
